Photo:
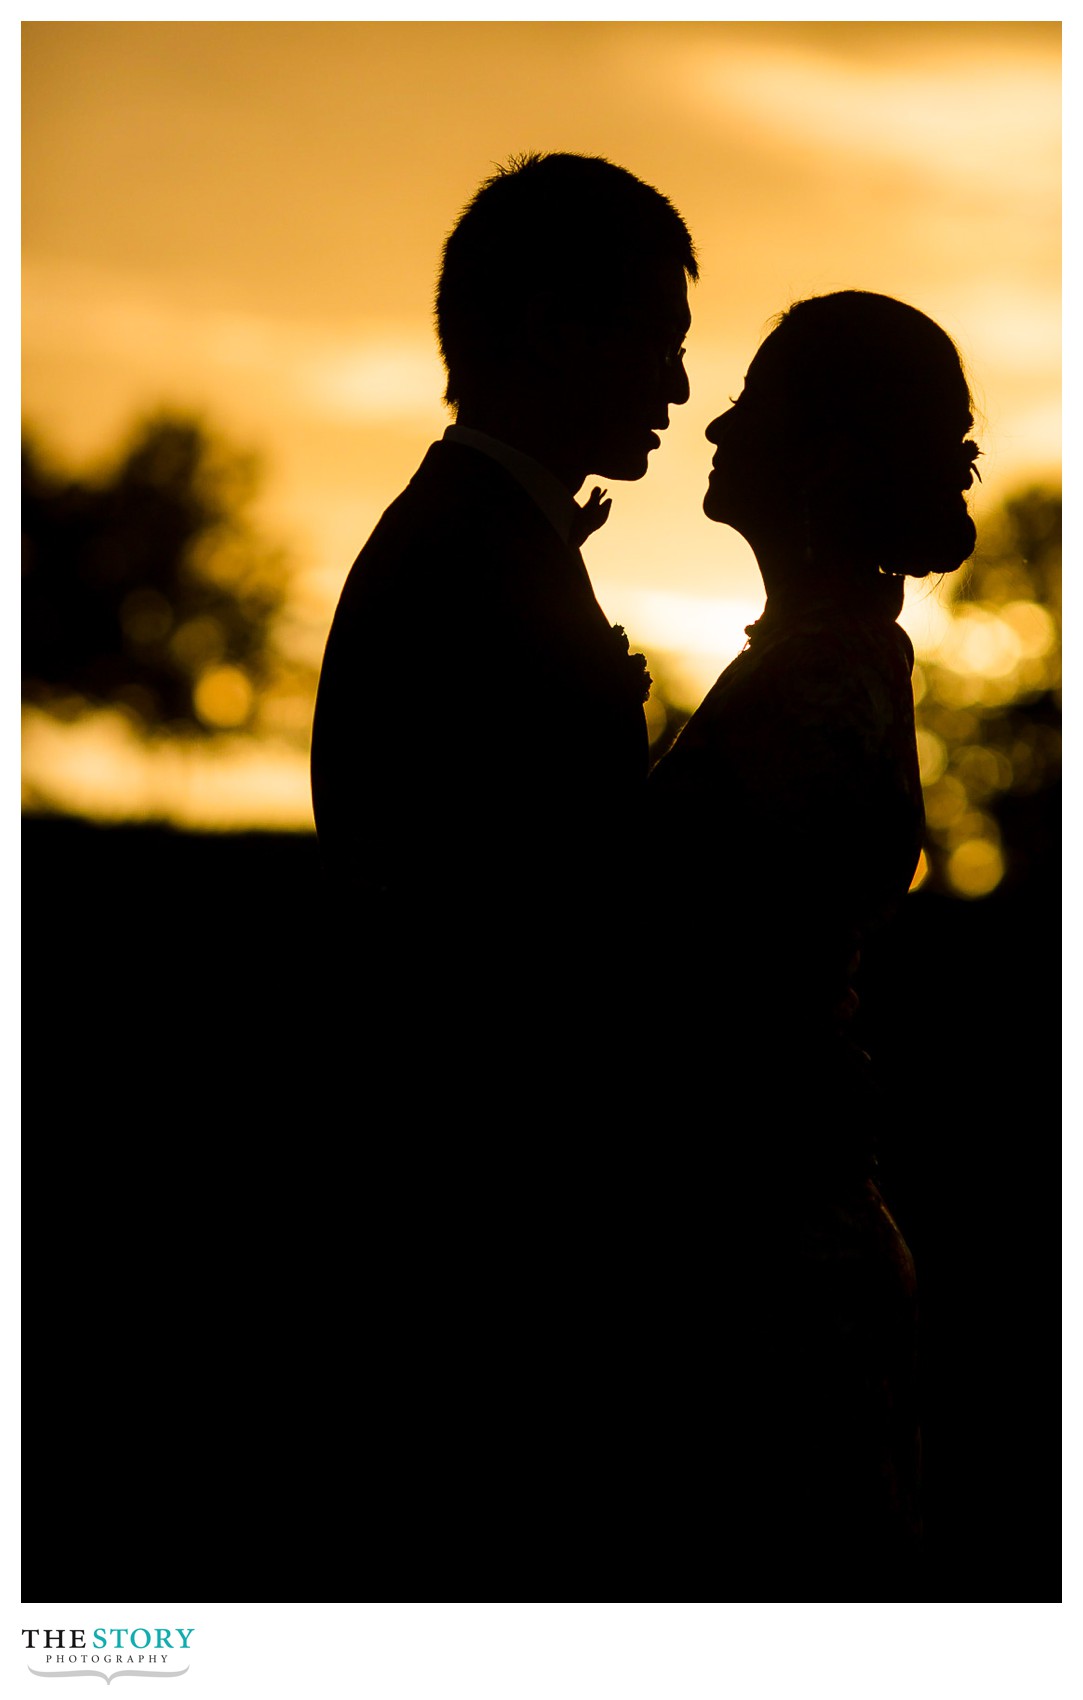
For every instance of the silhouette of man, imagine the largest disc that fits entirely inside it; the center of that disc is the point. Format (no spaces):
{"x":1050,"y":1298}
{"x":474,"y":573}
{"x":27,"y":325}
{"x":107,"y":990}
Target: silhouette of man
{"x":479,"y":746}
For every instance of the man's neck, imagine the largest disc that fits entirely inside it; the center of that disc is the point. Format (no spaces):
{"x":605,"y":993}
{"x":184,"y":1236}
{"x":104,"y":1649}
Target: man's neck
{"x":553,"y":498}
{"x":530,"y":437}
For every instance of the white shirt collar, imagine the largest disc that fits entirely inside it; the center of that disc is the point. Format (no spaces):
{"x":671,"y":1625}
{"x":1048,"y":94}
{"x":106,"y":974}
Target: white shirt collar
{"x":552,"y":497}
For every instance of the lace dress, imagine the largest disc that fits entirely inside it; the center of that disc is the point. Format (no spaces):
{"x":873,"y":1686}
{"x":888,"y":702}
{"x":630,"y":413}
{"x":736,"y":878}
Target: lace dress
{"x":788,"y":817}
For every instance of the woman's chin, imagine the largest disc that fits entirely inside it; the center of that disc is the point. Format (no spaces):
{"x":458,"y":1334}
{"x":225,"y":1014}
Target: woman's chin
{"x":714,"y":504}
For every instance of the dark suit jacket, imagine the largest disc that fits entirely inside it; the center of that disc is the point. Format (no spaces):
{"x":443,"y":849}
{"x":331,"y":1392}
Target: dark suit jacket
{"x":479,"y":750}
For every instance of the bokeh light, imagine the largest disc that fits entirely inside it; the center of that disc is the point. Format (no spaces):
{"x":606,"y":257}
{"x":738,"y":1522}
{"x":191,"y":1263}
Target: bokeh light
{"x":223,"y":696}
{"x":988,"y":705}
{"x":976,"y":867}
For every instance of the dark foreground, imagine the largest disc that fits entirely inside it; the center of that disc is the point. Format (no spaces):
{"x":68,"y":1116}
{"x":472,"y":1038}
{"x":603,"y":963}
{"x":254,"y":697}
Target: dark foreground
{"x":202,"y":1320}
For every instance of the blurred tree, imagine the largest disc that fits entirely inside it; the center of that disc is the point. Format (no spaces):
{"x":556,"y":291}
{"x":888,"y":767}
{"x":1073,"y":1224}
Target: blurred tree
{"x":988,"y":709}
{"x":148,"y":590}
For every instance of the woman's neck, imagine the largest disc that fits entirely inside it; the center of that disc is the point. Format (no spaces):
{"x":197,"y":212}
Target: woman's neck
{"x":794,"y":585}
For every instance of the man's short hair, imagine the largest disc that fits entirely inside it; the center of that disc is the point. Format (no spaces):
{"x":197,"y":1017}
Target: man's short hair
{"x":572,"y":226}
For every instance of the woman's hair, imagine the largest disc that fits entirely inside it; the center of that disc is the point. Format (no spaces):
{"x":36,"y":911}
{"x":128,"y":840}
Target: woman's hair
{"x":882,"y":380}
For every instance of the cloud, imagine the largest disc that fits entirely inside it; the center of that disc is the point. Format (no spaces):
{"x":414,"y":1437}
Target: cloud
{"x":372,"y":374}
{"x":986,"y":119}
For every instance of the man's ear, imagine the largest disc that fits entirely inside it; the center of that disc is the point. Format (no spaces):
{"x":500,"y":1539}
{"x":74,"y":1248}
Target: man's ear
{"x":553,"y":342}
{"x":538,"y":320}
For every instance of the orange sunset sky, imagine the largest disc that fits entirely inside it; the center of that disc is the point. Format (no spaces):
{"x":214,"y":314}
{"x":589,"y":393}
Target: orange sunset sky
{"x":246,"y":219}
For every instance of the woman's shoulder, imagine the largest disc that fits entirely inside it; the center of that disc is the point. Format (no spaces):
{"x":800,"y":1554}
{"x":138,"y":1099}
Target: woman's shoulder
{"x":850,"y":668}
{"x":802,"y":707}
{"x":846,"y":669}
{"x":818,"y":644}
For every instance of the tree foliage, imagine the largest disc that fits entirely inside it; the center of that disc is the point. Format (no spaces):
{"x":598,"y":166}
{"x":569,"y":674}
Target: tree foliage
{"x":149,"y":589}
{"x":988,"y":709}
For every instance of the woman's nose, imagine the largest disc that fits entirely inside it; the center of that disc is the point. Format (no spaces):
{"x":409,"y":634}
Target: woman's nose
{"x":713,"y":432}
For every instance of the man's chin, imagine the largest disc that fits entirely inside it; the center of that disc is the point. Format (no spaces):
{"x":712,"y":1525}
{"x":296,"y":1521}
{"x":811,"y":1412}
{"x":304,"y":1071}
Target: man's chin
{"x":624,"y":467}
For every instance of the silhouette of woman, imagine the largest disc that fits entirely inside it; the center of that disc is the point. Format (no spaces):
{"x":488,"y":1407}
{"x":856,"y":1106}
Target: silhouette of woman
{"x":789,"y":817}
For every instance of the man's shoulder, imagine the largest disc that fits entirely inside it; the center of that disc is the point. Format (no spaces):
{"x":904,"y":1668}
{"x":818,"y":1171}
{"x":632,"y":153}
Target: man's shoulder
{"x":461,"y":518}
{"x":456,"y":483}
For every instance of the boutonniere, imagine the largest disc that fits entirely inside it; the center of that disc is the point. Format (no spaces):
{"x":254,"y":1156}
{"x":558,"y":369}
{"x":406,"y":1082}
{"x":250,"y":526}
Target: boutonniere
{"x":639,"y":679}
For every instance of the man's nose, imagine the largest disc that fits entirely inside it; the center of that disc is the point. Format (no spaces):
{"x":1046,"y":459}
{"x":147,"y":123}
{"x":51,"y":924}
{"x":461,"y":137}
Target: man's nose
{"x":679,"y":388}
